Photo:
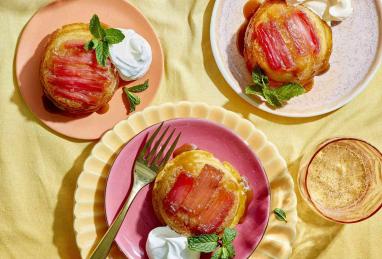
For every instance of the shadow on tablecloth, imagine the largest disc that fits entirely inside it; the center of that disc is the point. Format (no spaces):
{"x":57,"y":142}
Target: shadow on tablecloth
{"x":314,"y":234}
{"x":64,"y":236}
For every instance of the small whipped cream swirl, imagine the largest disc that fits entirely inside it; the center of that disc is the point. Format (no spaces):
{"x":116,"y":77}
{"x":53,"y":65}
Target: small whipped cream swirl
{"x":132,"y":57}
{"x":164,"y":243}
{"x":328,"y":10}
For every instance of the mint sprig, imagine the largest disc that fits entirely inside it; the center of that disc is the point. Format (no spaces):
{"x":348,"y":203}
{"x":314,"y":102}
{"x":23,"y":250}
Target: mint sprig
{"x":103,"y":38}
{"x":113,"y":36}
{"x":280,"y":215}
{"x":95,"y":27}
{"x":134,"y":100}
{"x":228,"y":236}
{"x":203,"y":243}
{"x":222,"y":247}
{"x":139,"y":88}
{"x":275,"y":97}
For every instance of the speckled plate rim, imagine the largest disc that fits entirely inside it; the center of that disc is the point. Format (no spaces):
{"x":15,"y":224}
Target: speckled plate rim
{"x":231,"y":82}
{"x":89,"y":215}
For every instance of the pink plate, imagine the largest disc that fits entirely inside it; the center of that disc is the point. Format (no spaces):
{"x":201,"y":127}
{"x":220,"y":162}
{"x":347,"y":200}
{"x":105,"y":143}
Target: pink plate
{"x":207,"y":136}
{"x":33,"y":39}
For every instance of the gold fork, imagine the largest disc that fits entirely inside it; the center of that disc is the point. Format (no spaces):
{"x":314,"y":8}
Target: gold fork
{"x":147,"y":164}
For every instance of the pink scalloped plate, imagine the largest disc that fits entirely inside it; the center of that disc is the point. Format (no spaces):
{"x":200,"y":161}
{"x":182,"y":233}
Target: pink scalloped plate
{"x":226,"y":146}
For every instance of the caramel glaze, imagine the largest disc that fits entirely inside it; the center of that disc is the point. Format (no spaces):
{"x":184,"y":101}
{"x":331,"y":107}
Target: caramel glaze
{"x":50,"y":106}
{"x":309,"y":85}
{"x":184,"y":148}
{"x":249,"y":10}
{"x":249,"y":196}
{"x":103,"y":109}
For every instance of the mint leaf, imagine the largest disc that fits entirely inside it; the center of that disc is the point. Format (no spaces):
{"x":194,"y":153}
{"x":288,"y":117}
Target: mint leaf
{"x":254,"y":89}
{"x":223,"y":246}
{"x":99,"y":54}
{"x":203,"y":243}
{"x":217,"y":254}
{"x":280,"y":214}
{"x":139,"y":88}
{"x":227,"y":239}
{"x":231,"y":250}
{"x":92,"y":44}
{"x":95,"y":27}
{"x":229,"y":235}
{"x":132,"y":98}
{"x":275,"y":97}
{"x":113,"y":36}
{"x":89,"y":45}
{"x":102,"y":52}
{"x":271,"y":97}
{"x":258,"y":77}
{"x":225,"y":253}
{"x":289,"y":90}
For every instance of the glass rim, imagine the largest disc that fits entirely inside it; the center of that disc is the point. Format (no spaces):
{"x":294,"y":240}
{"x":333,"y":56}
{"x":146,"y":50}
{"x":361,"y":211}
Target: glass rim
{"x":322,"y":145}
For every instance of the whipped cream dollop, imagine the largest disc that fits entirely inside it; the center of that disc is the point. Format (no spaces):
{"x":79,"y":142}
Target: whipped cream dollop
{"x":328,"y":10}
{"x":132,"y":56}
{"x":164,"y":243}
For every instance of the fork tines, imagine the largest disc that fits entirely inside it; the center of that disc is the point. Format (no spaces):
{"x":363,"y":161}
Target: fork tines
{"x":152,"y":153}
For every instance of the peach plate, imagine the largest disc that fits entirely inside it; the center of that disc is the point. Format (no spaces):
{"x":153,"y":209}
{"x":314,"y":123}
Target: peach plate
{"x":356,"y":56}
{"x":90,"y":223}
{"x":116,"y":13}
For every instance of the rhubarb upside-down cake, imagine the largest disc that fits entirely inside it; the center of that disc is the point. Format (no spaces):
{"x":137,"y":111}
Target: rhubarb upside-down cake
{"x":195,"y":194}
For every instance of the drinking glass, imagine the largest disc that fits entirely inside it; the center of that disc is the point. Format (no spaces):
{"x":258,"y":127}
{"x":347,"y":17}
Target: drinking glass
{"x":341,"y":179}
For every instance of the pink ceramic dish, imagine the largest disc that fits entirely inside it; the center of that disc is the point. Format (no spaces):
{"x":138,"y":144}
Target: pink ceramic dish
{"x":31,"y":46}
{"x":226,"y":146}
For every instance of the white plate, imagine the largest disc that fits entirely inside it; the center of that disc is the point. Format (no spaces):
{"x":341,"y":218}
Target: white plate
{"x":89,"y":212}
{"x":355,"y":58}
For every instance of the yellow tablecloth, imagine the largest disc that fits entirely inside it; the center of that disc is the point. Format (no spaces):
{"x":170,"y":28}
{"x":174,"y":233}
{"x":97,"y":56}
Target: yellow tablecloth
{"x":39,"y":169}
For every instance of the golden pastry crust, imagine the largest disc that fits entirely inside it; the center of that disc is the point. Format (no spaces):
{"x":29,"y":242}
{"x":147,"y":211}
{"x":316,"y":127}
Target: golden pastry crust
{"x":193,"y":162}
{"x":70,"y":76}
{"x":298,"y":63}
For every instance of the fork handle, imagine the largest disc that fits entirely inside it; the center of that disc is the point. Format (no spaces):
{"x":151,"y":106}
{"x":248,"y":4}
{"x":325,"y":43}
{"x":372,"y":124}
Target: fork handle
{"x":103,"y":247}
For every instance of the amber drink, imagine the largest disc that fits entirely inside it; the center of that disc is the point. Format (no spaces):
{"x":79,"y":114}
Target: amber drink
{"x":341,"y":179}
